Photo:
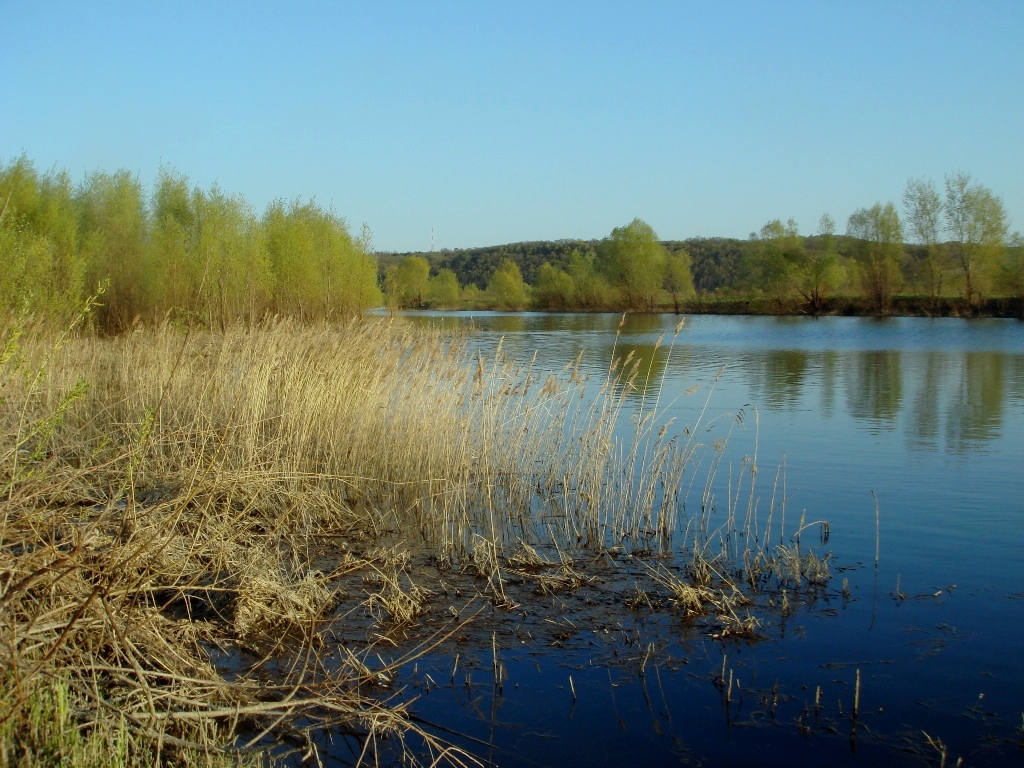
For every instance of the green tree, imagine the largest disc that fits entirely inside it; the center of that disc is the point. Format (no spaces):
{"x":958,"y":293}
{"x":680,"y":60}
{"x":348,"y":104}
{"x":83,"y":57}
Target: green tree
{"x":228,"y":243}
{"x":506,"y":287}
{"x":878,"y":251}
{"x":779,"y":249}
{"x":413,"y":282}
{"x":1012,"y":267}
{"x":173,"y":271}
{"x":39,"y":245}
{"x":319,"y":271}
{"x":678,"y":277}
{"x":922,"y":211}
{"x":114,"y":229}
{"x":816,"y":270}
{"x":443,"y":290}
{"x":591,"y":290}
{"x":976,"y":222}
{"x":634,"y":262}
{"x":554,"y":289}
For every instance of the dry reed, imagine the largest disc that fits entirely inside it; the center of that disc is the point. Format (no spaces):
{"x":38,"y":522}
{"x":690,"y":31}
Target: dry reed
{"x":168,"y":493}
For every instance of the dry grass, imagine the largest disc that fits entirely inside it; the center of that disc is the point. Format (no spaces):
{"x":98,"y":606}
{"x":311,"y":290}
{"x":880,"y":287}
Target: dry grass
{"x":167,"y":493}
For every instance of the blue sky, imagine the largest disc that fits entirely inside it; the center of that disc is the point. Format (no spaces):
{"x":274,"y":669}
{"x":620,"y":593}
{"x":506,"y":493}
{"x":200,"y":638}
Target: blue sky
{"x":500,"y":122}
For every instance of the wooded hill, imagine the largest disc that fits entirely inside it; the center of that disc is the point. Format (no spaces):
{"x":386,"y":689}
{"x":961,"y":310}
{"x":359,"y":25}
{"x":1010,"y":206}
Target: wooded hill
{"x":718,"y":264}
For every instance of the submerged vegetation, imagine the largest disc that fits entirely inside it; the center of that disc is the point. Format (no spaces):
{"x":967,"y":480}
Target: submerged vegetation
{"x":184,"y":512}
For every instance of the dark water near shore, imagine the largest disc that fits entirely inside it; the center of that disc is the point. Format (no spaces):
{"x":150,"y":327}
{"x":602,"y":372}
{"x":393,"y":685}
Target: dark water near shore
{"x":928,"y":414}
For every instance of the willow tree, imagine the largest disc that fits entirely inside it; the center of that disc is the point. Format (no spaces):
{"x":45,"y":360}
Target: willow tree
{"x":634,"y":262}
{"x":922,"y":211}
{"x":554,"y":289}
{"x":41,"y":261}
{"x":412,"y":282}
{"x":506,"y":287}
{"x":678,"y":276}
{"x":443,"y":290}
{"x":172,"y":269}
{"x":777,"y":251}
{"x":816,"y":270}
{"x":114,"y":228}
{"x":319,"y":271}
{"x":228,"y":242}
{"x":878,"y":251}
{"x":976,"y":223}
{"x":1012,"y":268}
{"x":590,"y":289}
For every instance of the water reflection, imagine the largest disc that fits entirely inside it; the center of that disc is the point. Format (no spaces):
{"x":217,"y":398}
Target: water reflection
{"x":782,"y":375}
{"x":975,"y":413}
{"x":922,"y":379}
{"x":874,"y":391}
{"x":925,"y":418}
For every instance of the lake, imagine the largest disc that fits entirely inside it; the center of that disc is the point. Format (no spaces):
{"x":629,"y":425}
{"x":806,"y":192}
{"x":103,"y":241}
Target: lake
{"x":928,"y":414}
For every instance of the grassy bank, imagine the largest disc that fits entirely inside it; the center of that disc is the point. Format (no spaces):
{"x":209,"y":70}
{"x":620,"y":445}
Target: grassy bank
{"x":181,"y":510}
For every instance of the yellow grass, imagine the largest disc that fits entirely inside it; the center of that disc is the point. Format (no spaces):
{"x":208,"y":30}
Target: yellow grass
{"x":167,"y":492}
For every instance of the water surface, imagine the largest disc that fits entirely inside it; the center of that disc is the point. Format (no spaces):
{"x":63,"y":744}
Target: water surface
{"x":926,"y":413}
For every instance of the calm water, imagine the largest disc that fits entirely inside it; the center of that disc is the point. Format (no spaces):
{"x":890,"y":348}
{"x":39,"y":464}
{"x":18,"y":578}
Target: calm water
{"x":928,"y":414}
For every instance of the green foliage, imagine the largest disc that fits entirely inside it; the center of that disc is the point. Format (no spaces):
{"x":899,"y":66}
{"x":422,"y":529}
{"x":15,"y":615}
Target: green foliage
{"x":591,"y":289}
{"x":113,"y":228}
{"x":1011,"y":273}
{"x":777,"y":257}
{"x":634,"y":262}
{"x":506,"y":287}
{"x":976,"y":222}
{"x":410,"y":283}
{"x":200,"y":255}
{"x":878,"y":250}
{"x":443,"y":290}
{"x":42,"y":266}
{"x":922,"y":210}
{"x":555,"y":289}
{"x":678,"y":278}
{"x":816,"y":270}
{"x":718,"y":264}
{"x":319,"y":271}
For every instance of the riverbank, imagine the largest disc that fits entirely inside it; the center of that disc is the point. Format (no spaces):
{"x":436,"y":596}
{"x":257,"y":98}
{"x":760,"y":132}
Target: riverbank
{"x":833,"y":306}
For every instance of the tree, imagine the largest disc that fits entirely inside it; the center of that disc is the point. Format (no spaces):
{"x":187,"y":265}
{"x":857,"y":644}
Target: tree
{"x":591,"y":290}
{"x":555,"y":289}
{"x":319,"y":271}
{"x":413,"y":281}
{"x":114,"y":227}
{"x":976,"y":222}
{"x":779,"y":250}
{"x":40,"y":259}
{"x":634,"y":262}
{"x":678,"y":278}
{"x":443,"y":290}
{"x":1012,"y":267}
{"x":506,"y":287}
{"x":878,"y":251}
{"x":922,"y":210}
{"x":816,"y":270}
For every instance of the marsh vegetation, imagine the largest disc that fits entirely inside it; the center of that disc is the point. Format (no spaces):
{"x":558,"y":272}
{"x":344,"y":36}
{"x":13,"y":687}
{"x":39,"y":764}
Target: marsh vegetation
{"x":174,"y":498}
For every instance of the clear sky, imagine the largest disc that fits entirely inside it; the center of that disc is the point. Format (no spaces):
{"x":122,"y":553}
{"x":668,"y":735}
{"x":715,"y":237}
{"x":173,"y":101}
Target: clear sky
{"x":498,"y":122}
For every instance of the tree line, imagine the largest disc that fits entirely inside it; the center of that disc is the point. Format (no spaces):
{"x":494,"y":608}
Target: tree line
{"x":185,"y":253}
{"x":947,"y":245}
{"x":630,"y":269}
{"x":180,"y":252}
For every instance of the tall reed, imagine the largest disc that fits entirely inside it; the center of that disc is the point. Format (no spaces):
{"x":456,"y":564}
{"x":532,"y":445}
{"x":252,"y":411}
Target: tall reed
{"x":166,"y":492}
